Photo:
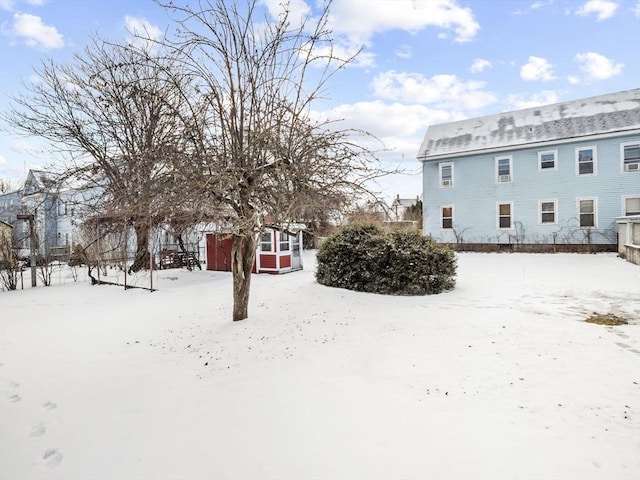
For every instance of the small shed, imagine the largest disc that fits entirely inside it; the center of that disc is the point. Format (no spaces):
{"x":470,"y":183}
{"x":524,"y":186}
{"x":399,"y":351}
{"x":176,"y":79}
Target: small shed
{"x":278,"y":250}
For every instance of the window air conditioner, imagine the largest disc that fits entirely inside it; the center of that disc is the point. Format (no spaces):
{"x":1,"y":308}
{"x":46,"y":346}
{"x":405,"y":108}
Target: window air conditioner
{"x":447,"y":183}
{"x":632,"y":167}
{"x":504,"y":178}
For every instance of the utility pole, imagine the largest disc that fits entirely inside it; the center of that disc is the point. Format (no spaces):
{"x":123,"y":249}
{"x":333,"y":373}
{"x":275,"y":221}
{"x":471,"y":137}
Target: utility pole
{"x":32,"y":244}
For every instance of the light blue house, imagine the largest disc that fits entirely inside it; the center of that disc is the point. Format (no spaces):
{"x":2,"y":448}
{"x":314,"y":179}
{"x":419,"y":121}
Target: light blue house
{"x":543,"y":178}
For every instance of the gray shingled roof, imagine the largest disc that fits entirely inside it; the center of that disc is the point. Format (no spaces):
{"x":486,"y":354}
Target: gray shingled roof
{"x":604,"y":114}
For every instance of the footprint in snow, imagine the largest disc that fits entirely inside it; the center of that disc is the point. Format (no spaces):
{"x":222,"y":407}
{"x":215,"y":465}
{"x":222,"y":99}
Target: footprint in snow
{"x":49,"y":405}
{"x":37,"y":430}
{"x":52,"y":458}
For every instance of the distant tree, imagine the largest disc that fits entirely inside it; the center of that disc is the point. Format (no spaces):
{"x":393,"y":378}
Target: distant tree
{"x":9,"y":265}
{"x":118,"y":112}
{"x":6,"y":186}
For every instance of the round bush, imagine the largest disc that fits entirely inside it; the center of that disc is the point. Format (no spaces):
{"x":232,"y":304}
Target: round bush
{"x":367,"y":259}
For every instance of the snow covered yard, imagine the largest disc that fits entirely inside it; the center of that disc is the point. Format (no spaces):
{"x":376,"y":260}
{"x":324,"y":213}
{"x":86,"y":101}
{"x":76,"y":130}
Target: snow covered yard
{"x":499,"y":379}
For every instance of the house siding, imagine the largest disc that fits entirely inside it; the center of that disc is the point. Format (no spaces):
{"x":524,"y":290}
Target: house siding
{"x":476,"y":194}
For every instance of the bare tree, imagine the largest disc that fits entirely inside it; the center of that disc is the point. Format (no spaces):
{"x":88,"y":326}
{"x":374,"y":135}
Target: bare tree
{"x":9,"y":265}
{"x":6,"y":186}
{"x":263,"y":152}
{"x":116,"y":113}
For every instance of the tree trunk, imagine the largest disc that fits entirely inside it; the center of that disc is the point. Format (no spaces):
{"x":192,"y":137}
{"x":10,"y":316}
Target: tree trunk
{"x":243,"y":254}
{"x":142,"y":258}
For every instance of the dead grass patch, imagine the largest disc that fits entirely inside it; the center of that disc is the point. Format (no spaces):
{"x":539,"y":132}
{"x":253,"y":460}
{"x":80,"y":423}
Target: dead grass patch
{"x":606,"y":319}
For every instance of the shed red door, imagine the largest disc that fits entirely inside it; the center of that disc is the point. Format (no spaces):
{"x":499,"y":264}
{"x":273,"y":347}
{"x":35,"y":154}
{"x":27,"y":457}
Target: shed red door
{"x":219,"y":252}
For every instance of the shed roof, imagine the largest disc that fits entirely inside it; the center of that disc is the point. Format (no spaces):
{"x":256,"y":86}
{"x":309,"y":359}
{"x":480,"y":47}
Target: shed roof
{"x":601,"y":115}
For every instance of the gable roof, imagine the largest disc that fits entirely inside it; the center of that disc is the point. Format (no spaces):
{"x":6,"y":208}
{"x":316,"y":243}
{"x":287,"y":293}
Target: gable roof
{"x":602,"y":115}
{"x":404,"y":202}
{"x":38,"y":181}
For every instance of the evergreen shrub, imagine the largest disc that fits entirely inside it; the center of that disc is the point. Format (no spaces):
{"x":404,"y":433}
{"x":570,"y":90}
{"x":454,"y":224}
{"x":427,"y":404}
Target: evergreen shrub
{"x":365,"y":258}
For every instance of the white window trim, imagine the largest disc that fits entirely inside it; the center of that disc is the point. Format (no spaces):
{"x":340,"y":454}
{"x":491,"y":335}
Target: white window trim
{"x":623,"y":207}
{"x":595,"y":211}
{"x":497,"y":176}
{"x":440,"y":180}
{"x":555,"y":160}
{"x":270,"y":232}
{"x":595,"y":161}
{"x":512,"y":223}
{"x":622,"y":145}
{"x":453,"y":217}
{"x":555,"y":211}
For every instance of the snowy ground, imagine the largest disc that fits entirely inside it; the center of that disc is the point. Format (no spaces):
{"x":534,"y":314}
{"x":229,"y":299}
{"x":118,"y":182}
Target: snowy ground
{"x":499,"y":379}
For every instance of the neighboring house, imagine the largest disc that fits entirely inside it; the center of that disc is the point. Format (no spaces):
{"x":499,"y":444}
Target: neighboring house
{"x":549,"y":177}
{"x":400,"y":206}
{"x":52,"y":208}
{"x":10,"y":207}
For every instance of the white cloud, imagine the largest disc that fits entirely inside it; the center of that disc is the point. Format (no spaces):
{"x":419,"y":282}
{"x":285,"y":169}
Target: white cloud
{"x":598,"y":67}
{"x":7,"y":5}
{"x":36,"y":33}
{"x":480,"y":65}
{"x":537,"y":69}
{"x":546,"y":97}
{"x":443,"y":91}
{"x":603,"y":9}
{"x":398,"y":126}
{"x":143,"y":33}
{"x":358,"y":21}
{"x":636,"y":9}
{"x":297,"y":10}
{"x":361,"y":19}
{"x":534,"y":6}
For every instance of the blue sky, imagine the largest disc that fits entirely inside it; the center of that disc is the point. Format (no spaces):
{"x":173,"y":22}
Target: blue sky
{"x":424,"y":61}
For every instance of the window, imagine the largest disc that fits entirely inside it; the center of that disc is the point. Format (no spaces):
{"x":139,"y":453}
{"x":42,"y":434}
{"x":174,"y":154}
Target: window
{"x":547,"y":160}
{"x":446,"y":174}
{"x":62,"y":208}
{"x":587,"y":212}
{"x":505,"y":213}
{"x":630,"y":157}
{"x":548,"y":211}
{"x":586,"y":161}
{"x":503,"y":169}
{"x":284,"y":242}
{"x":632,"y":206}
{"x":265,"y":242}
{"x":447,"y":216}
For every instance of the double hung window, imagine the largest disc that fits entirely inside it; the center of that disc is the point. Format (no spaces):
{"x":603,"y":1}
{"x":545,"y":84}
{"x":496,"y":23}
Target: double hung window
{"x":503,"y":169}
{"x":505,"y":215}
{"x":630,"y":157}
{"x":548,"y":210}
{"x":587,"y":212}
{"x":447,"y":216}
{"x":547,"y":160}
{"x":632,"y":206}
{"x":586,"y":161}
{"x":446,"y":174}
